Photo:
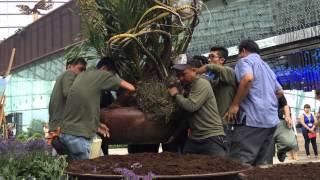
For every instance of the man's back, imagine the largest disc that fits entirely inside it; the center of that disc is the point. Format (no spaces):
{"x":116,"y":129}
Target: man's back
{"x":81,"y":117}
{"x":58,"y":98}
{"x":260,"y":105}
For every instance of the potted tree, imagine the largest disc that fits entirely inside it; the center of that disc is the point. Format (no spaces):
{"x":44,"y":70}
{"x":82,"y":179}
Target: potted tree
{"x":144,"y":37}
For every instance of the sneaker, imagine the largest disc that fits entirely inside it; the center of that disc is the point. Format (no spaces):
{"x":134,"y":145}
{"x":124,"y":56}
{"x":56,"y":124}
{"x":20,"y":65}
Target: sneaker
{"x":316,"y":157}
{"x":281,"y":156}
{"x":308,"y":156}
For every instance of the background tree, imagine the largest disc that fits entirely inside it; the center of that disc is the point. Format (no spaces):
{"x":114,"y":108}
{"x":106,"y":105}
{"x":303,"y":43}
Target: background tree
{"x":36,"y":127}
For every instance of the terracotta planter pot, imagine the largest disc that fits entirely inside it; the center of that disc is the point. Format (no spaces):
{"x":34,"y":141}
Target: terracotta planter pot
{"x":128,"y":125}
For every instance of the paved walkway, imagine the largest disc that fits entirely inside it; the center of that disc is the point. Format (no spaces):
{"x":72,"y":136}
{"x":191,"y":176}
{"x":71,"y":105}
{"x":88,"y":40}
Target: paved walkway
{"x":301,"y":153}
{"x":118,"y":151}
{"x":123,"y":151}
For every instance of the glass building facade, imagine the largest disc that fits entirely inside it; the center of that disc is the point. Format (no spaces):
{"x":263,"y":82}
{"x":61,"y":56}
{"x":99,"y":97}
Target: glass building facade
{"x":227,"y":22}
{"x":29,"y":89}
{"x":273,"y":22}
{"x":297,"y":99}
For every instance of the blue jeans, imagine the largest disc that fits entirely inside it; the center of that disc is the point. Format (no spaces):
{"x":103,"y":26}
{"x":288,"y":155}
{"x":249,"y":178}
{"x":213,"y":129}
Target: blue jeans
{"x":78,"y":146}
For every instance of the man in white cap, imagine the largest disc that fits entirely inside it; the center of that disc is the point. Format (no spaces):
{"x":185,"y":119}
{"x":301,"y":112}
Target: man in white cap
{"x":207,"y":135}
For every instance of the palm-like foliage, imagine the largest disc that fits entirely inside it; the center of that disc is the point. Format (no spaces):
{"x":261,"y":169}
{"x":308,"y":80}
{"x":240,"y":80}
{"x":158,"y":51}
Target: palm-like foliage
{"x":142,"y":35}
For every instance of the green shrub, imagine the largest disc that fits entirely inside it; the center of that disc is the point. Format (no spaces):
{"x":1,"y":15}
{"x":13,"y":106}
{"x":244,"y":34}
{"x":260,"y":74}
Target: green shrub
{"x":36,"y":135}
{"x":22,"y":138}
{"x":34,"y":164}
{"x":36,"y":126}
{"x":30,"y":160}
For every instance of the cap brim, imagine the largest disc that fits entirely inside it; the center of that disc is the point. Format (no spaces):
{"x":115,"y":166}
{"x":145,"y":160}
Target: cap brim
{"x":180,"y":67}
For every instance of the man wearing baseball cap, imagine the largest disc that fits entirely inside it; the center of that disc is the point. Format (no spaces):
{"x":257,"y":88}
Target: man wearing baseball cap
{"x":207,"y":135}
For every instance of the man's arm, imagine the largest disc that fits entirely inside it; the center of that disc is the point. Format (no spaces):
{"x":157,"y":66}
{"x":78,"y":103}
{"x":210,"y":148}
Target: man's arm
{"x":282,"y":103}
{"x":126,"y":85}
{"x":279,"y":91}
{"x":113,"y":82}
{"x":225,"y":74}
{"x":67,"y":82}
{"x":287,"y":116}
{"x":197,"y":97}
{"x":242,"y":92}
{"x":202,"y":69}
{"x":103,"y":130}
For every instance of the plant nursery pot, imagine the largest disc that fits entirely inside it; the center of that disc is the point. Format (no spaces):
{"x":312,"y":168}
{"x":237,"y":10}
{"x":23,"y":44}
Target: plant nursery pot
{"x":129,"y":125}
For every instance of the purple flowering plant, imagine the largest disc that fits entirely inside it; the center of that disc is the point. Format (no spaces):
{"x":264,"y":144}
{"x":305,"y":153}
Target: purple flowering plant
{"x":130,"y":175}
{"x":13,"y":147}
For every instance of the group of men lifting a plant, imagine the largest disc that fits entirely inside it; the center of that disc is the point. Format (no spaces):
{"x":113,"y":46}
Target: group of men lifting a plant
{"x":229,"y":112}
{"x":235,"y":113}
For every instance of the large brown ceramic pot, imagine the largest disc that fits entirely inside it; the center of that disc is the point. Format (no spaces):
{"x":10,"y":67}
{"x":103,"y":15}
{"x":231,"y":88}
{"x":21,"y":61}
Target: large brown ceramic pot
{"x":129,"y":125}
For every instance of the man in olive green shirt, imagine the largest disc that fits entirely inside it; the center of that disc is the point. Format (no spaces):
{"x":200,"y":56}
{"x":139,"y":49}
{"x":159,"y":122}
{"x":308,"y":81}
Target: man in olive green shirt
{"x":60,"y":91}
{"x":223,"y":81}
{"x":207,"y":136}
{"x":82,"y":111}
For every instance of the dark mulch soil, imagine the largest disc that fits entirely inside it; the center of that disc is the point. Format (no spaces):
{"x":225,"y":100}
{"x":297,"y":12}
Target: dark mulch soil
{"x":158,"y":164}
{"x":309,"y":171}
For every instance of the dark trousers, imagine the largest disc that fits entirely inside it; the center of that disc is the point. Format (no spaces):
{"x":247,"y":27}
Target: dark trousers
{"x":214,"y":145}
{"x":252,"y":145}
{"x":177,"y":144}
{"x":307,"y":141}
{"x":228,"y":130}
{"x":105,"y":146}
{"x":60,"y":148}
{"x":142,"y":148}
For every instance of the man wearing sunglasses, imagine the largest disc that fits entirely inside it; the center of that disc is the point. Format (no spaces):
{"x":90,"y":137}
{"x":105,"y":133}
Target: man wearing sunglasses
{"x":223,"y":82}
